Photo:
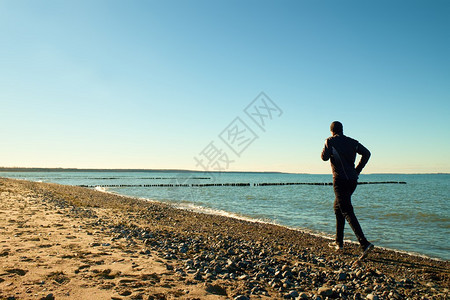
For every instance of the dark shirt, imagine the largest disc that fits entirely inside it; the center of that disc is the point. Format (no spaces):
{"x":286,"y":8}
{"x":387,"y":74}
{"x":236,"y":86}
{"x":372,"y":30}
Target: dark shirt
{"x":341,"y":150}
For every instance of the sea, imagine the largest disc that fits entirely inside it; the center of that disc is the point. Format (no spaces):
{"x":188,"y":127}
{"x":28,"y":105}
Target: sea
{"x":404,"y":212}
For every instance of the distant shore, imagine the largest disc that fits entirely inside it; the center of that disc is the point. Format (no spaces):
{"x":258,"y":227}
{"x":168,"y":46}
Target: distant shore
{"x":26,"y":169}
{"x":19,"y":169}
{"x":71,"y":243}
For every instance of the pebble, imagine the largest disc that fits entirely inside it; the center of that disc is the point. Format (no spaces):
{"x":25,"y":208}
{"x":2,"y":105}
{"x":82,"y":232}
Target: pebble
{"x":342,"y":276}
{"x":48,"y":297}
{"x":357,"y":296}
{"x":294,"y":294}
{"x":325,"y":291}
{"x":125,"y":293}
{"x":303,"y":296}
{"x":198,"y":276}
{"x":241,"y":297}
{"x":291,"y":295}
{"x":216,"y":290}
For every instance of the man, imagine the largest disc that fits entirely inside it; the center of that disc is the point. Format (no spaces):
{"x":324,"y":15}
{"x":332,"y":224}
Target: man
{"x":342,"y":150}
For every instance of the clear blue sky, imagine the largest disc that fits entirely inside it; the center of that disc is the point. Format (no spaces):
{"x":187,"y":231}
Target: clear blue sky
{"x":150,"y":84}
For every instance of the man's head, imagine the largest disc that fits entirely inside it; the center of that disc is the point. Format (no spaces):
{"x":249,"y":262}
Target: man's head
{"x":336,"y":128}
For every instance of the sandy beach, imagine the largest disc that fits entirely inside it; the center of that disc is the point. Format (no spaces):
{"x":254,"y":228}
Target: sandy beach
{"x":64,"y":242}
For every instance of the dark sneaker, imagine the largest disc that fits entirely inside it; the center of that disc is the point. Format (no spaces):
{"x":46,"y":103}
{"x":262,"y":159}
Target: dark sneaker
{"x":336,"y":246}
{"x":366,"y":251}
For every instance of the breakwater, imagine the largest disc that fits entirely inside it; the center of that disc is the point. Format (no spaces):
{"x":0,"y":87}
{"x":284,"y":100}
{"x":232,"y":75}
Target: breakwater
{"x":233,"y":184}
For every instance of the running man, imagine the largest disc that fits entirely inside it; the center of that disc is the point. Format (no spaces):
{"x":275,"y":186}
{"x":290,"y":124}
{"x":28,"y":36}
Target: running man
{"x":342,"y":150}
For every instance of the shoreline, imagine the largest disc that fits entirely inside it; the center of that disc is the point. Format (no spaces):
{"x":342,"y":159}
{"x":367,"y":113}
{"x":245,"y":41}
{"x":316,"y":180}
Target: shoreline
{"x":211,"y":211}
{"x":323,"y":235}
{"x":118,"y":247}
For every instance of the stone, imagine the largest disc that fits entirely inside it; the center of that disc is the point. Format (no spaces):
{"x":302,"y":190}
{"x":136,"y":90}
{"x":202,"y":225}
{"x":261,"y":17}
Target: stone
{"x":287,"y":274}
{"x":342,"y":276}
{"x":125,"y":293}
{"x":216,"y":290}
{"x":241,"y":297}
{"x":48,"y":297}
{"x":303,"y":296}
{"x":198,"y":276}
{"x":325,"y":291}
{"x":144,"y":252}
{"x":243,"y":277}
{"x":357,"y":296}
{"x":294,"y":294}
{"x":372,"y":297}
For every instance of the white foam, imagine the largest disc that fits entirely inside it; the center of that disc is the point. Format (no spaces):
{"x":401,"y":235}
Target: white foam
{"x":210,"y":211}
{"x":101,"y":189}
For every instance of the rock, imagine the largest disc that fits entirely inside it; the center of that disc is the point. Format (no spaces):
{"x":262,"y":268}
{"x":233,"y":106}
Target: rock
{"x":144,"y":252}
{"x":372,"y":297}
{"x":303,"y":296}
{"x":198,"y":276}
{"x":294,"y":294}
{"x":291,"y":295}
{"x":341,"y":287}
{"x":285,"y":268}
{"x":49,"y":297}
{"x":342,"y":276}
{"x":216,"y":290}
{"x":301,"y":274}
{"x":325,"y":291}
{"x":241,"y":297}
{"x":243,"y":277}
{"x":125,"y":293}
{"x":19,"y":272}
{"x":287,"y":274}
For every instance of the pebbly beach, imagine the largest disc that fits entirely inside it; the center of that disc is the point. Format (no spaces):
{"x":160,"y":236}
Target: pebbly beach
{"x":66,"y":242}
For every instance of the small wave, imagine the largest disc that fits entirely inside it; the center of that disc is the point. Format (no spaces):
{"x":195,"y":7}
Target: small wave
{"x":100,"y":189}
{"x":211,"y":211}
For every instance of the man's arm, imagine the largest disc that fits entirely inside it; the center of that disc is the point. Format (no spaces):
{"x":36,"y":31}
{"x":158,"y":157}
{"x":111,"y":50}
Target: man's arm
{"x":326,"y":153}
{"x":365,"y":155}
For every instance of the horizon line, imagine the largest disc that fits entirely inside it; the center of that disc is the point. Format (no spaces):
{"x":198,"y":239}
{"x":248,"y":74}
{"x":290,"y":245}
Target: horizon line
{"x":61,"y":169}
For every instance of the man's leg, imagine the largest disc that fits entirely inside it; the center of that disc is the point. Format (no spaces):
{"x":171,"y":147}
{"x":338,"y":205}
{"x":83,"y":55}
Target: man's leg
{"x":340,"y":223}
{"x":344,"y":191}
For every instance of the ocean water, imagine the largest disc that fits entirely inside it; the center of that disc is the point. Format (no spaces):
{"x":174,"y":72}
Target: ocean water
{"x":412,"y":217}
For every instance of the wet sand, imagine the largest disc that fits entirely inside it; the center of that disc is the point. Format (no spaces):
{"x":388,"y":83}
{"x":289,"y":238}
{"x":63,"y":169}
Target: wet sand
{"x":63,"y":242}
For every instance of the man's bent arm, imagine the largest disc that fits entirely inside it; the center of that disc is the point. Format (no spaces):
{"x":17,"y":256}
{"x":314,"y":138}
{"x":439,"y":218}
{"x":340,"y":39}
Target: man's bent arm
{"x":365,"y":155}
{"x":326,"y":152}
